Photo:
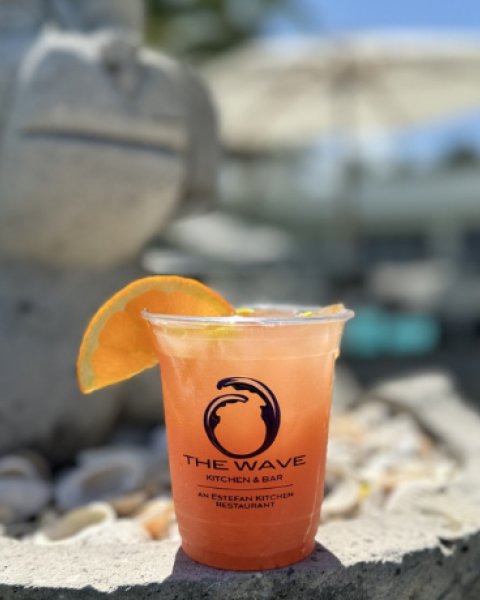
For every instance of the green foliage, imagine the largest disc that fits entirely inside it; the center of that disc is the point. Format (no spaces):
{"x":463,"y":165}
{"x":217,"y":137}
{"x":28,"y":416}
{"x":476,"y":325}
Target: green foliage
{"x":198,"y":29}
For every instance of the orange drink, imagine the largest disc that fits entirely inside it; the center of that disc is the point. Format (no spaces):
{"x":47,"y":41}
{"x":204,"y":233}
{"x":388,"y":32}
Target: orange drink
{"x":247,"y":404}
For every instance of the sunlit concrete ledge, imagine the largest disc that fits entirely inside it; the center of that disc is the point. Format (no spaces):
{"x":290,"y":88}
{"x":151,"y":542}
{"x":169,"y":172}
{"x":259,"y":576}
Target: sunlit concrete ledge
{"x":429,"y":554}
{"x":382,"y":559}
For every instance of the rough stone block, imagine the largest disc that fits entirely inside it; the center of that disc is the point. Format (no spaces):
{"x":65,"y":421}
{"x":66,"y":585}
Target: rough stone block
{"x":383,"y":559}
{"x":45,"y":312}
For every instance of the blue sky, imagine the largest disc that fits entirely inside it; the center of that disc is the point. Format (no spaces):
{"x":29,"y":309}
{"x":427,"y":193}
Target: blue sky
{"x":344,"y":15}
{"x":337,"y":16}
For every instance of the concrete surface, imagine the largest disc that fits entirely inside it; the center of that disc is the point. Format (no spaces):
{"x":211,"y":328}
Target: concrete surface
{"x":102,"y":140}
{"x":361,"y":560}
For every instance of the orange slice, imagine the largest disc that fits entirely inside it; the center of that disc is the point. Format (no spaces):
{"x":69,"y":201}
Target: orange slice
{"x":118,"y":343}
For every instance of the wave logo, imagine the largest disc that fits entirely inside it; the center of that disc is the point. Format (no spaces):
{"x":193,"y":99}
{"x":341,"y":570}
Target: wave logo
{"x":269,"y":412}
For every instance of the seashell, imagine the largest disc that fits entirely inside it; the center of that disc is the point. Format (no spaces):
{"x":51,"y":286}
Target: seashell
{"x":19,"y":466}
{"x":410,"y":496}
{"x":156,"y":517}
{"x":341,"y":457}
{"x":126,"y":505}
{"x":408,"y":435}
{"x":21,"y":499}
{"x":39,"y":462}
{"x":380,"y":465}
{"x":372,"y":413}
{"x":347,"y":428}
{"x":101,"y":478}
{"x":372,"y":500}
{"x":444,"y":469}
{"x":75,"y":524}
{"x":92,"y":525}
{"x":416,"y":469}
{"x":107,"y":453}
{"x":401,"y":434}
{"x":427,"y":448}
{"x":342,"y":500}
{"x":459,"y":513}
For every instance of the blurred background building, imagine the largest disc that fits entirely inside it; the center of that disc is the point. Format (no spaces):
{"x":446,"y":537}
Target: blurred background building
{"x":351,"y":169}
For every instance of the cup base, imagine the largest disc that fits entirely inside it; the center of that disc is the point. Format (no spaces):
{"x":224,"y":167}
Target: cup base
{"x":220,"y":560}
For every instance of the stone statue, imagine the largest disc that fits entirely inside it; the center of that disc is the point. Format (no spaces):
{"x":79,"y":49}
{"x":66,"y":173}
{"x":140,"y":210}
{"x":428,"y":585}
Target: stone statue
{"x":102,"y":142}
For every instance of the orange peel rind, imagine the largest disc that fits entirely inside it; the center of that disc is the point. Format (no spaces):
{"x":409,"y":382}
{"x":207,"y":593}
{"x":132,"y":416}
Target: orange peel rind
{"x":118,"y":342}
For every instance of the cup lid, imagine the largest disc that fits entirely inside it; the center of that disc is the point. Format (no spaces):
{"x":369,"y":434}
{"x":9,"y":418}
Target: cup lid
{"x":275,"y":314}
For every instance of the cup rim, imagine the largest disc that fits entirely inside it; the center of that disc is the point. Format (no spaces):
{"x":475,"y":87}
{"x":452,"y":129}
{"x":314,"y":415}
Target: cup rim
{"x":238,"y":320}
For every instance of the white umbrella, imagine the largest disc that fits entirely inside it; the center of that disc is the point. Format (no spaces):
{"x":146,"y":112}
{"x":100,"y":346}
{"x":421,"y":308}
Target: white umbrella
{"x":275,"y":95}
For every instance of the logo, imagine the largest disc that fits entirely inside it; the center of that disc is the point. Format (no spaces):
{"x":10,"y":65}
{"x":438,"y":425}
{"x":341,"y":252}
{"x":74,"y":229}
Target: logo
{"x":270,"y":412}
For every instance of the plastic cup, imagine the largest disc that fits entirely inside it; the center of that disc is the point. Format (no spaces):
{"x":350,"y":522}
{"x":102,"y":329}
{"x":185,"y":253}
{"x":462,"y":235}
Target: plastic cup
{"x":247,"y":405}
